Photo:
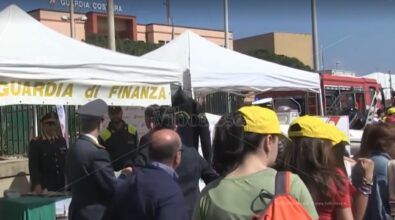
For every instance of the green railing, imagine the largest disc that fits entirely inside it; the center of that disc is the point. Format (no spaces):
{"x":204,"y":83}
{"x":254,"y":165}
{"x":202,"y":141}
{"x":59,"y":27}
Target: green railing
{"x":17,"y":127}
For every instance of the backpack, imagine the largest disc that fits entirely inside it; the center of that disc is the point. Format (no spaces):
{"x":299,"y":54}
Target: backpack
{"x":282,"y":205}
{"x":391,"y":186}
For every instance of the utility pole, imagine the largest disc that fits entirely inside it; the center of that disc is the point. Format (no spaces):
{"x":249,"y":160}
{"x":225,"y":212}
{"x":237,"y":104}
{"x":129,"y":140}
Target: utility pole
{"x":111,"y":25}
{"x":315,"y":36}
{"x":168,"y":13}
{"x":226,"y":45}
{"x":72,"y":21}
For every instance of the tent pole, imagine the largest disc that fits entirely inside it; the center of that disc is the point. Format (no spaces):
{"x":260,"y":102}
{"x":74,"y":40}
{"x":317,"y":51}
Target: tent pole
{"x":35,"y":121}
{"x":320,"y":96}
{"x":187,"y":84}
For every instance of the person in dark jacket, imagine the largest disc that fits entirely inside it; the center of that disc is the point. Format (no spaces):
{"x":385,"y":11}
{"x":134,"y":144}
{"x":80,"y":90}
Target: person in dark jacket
{"x":89,"y":170}
{"x":149,"y":114}
{"x":192,"y":124}
{"x":120,"y":139}
{"x":192,"y":167}
{"x":47,"y":155}
{"x":152,"y":193}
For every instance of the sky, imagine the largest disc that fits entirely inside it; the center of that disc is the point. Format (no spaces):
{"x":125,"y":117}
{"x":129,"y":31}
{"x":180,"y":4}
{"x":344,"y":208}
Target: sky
{"x":354,"y":35}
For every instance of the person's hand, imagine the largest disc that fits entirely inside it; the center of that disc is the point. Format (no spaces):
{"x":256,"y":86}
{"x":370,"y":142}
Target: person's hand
{"x":127,"y":171}
{"x":367,"y":166}
{"x":38,"y":189}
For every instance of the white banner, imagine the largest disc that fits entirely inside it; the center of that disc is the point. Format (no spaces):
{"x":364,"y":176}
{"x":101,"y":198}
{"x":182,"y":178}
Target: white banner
{"x":62,"y":120}
{"x":60,"y":93}
{"x":341,"y":122}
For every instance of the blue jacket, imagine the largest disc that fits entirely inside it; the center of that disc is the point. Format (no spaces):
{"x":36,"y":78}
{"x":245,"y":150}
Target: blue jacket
{"x":378,"y":205}
{"x":149,"y":194}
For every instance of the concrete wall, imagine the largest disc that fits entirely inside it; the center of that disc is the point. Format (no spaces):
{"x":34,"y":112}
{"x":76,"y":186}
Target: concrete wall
{"x":288,"y":44}
{"x":14,"y":175}
{"x":294,"y":45}
{"x":53,"y":20}
{"x":264,"y":41}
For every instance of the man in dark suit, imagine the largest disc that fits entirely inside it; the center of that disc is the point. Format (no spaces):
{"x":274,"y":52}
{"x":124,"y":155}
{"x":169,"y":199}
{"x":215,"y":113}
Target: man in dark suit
{"x":192,"y":167}
{"x":89,"y":171}
{"x":152,"y":193}
{"x":47,"y":155}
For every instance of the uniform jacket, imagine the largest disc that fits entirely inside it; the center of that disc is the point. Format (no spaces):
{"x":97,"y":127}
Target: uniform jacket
{"x":47,"y":162}
{"x":121,"y":144}
{"x":196,"y":128}
{"x":91,"y":178}
{"x":192,"y":168}
{"x":149,"y":194}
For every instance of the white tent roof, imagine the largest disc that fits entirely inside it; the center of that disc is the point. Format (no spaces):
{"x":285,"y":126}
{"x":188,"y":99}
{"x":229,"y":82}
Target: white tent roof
{"x":30,"y":50}
{"x":215,"y":68}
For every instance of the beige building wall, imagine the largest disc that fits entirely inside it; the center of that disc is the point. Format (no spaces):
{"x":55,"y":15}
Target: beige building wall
{"x":264,"y":41}
{"x":150,"y":33}
{"x":141,"y":30}
{"x":288,"y":44}
{"x":53,"y":20}
{"x":294,"y":45}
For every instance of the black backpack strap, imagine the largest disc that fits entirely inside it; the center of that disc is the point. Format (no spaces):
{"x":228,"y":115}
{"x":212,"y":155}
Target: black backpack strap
{"x":282,"y":183}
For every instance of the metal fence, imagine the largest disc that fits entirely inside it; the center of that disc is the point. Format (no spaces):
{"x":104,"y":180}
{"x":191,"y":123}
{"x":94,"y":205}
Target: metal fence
{"x":221,"y":102}
{"x":17,"y":127}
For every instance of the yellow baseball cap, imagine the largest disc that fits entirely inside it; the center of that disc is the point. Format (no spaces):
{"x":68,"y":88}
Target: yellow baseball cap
{"x":313,"y":127}
{"x":338,"y":135}
{"x":391,"y":111}
{"x":260,"y":120}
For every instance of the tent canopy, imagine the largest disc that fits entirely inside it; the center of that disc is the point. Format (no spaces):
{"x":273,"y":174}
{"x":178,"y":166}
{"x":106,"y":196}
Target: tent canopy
{"x":214,"y":68}
{"x":33,"y":52}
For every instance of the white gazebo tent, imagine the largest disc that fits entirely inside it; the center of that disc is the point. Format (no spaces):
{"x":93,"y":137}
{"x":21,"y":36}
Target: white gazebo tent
{"x":41,"y":66}
{"x":213,"y":68}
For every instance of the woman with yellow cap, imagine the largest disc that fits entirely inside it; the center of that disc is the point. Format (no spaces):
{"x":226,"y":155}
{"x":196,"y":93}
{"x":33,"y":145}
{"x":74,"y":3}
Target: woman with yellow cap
{"x":245,"y":147}
{"x":310,"y":156}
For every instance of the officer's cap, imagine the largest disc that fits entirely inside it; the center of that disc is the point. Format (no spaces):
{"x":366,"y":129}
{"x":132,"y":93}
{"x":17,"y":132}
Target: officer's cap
{"x":114,"y":109}
{"x":50,"y":115}
{"x":93,"y":109}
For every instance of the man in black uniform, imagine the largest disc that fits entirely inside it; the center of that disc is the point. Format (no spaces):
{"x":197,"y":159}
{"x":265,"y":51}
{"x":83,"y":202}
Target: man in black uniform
{"x":192,"y":124}
{"x":120,"y":139}
{"x":89,"y":171}
{"x":47,"y":154}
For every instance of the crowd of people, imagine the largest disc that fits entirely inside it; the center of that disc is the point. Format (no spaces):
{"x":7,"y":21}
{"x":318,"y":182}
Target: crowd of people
{"x":112,"y":174}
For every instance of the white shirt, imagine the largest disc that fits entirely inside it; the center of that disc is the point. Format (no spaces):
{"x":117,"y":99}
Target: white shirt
{"x":93,"y":138}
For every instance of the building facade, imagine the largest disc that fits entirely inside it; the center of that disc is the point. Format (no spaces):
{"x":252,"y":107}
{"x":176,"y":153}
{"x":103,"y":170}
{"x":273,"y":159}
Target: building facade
{"x":126,"y":27}
{"x":288,"y":44}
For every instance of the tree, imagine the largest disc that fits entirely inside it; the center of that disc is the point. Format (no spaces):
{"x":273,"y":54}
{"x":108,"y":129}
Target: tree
{"x":280,"y":59}
{"x":127,"y":46}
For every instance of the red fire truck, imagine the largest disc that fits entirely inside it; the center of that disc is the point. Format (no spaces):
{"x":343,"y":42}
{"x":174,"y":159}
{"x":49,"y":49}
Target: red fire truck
{"x":341,"y":94}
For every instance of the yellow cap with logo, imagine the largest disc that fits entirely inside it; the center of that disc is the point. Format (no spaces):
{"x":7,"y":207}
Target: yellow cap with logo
{"x":313,"y":127}
{"x":260,"y":120}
